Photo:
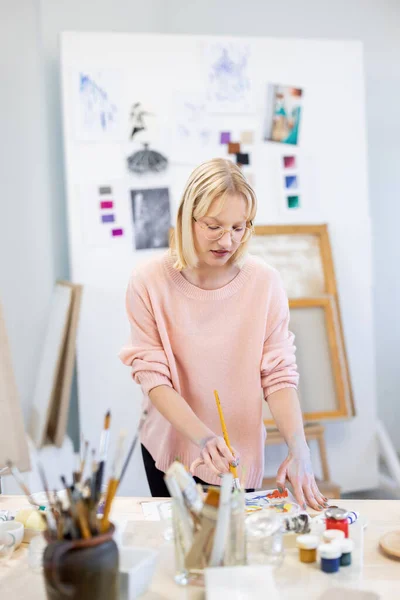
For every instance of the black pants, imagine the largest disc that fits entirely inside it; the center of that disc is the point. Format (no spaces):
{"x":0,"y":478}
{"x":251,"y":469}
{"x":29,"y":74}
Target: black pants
{"x":155,"y":477}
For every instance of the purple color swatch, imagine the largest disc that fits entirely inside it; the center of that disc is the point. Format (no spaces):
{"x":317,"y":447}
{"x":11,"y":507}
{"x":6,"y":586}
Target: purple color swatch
{"x":225,"y":137}
{"x":289,"y":162}
{"x":116,"y":232}
{"x":107,"y":218}
{"x":106,"y":204}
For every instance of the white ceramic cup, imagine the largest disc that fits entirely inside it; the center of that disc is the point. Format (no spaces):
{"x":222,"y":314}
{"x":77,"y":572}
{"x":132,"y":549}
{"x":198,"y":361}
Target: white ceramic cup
{"x":15,"y":528}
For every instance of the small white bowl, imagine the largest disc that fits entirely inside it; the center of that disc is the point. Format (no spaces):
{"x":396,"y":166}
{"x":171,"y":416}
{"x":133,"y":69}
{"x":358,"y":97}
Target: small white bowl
{"x":41,"y":497}
{"x":15,"y":528}
{"x":136,"y":568}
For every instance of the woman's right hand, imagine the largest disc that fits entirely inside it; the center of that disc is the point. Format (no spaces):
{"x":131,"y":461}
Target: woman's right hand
{"x":215,"y":454}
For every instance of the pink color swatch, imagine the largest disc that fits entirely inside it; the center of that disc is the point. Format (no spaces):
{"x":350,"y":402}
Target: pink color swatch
{"x":116,"y":232}
{"x":106,"y":204}
{"x":289,"y":162}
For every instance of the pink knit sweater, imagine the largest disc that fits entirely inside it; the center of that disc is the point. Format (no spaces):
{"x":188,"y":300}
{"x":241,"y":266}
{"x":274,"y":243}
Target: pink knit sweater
{"x":234,"y":340}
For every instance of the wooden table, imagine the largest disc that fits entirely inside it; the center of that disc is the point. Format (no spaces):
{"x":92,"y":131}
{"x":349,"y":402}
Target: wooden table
{"x":373,"y":571}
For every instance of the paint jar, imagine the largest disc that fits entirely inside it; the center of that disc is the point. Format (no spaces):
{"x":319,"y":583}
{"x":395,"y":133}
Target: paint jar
{"x":333,"y":535}
{"x":347,"y":547}
{"x":337,"y":518}
{"x":307,"y":545}
{"x":330,"y":557}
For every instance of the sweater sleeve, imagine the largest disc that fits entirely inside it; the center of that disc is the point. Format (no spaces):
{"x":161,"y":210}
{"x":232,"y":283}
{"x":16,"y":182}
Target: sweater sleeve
{"x":145,"y":352}
{"x":278,"y":364}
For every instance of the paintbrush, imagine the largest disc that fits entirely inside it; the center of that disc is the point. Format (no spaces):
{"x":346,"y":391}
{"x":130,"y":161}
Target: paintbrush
{"x":83,"y":461}
{"x":223,"y":519}
{"x":114,"y":481}
{"x":52,"y":508}
{"x":104,"y":439}
{"x":133,"y":445}
{"x":18,"y":478}
{"x":232,"y":468}
{"x":199,"y":553}
{"x":78,"y":510}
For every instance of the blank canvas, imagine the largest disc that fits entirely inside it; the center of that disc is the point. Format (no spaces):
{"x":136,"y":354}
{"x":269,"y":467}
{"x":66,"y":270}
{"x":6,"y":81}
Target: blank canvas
{"x":58,"y":419}
{"x":50,"y":361}
{"x":323,"y":389}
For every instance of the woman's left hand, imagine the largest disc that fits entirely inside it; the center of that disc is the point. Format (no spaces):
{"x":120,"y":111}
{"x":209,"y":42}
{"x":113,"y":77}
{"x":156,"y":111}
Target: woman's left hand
{"x":297,"y":469}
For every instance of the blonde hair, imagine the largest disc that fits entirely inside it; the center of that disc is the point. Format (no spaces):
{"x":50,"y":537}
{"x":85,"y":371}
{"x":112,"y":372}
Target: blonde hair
{"x":212,"y":180}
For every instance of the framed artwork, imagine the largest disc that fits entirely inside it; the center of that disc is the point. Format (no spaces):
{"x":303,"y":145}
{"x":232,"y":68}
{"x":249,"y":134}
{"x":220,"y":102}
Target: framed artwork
{"x":302,"y":254}
{"x":283,"y":114}
{"x":324,"y":387}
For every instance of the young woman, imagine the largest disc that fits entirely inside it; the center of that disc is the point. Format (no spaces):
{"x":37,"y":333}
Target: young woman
{"x":207,"y":316}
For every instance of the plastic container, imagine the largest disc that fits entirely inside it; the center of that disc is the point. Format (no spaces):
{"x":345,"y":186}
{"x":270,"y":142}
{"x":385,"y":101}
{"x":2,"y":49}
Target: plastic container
{"x":333,"y":535}
{"x":347,"y":547}
{"x":330,"y":557}
{"x":307,"y":545}
{"x":136,"y":569}
{"x":337,"y":518}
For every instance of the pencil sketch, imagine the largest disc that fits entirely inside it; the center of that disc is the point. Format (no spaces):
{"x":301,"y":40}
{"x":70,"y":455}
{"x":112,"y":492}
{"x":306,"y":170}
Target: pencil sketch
{"x":229,"y":83}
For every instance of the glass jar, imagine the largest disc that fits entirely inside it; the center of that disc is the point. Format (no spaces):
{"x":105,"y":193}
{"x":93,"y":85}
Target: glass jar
{"x":235,"y":548}
{"x":264,"y":538}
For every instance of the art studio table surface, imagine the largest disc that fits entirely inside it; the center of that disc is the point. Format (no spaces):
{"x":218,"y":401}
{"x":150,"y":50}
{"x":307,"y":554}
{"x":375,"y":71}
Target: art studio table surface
{"x":371,"y":571}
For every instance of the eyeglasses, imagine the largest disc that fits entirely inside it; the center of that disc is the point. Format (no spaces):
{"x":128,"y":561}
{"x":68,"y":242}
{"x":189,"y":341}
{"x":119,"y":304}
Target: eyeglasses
{"x":239,"y":235}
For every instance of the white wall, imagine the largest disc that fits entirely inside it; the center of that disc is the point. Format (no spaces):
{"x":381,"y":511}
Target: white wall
{"x":33,"y":237}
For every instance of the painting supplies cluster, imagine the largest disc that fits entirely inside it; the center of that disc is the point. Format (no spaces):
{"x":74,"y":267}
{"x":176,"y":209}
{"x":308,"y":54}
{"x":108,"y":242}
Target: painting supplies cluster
{"x":81,"y":510}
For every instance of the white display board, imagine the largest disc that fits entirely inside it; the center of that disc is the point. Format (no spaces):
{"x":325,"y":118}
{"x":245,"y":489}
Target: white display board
{"x":193,"y":95}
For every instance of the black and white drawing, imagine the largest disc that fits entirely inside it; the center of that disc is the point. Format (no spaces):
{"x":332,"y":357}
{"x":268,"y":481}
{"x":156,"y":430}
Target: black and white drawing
{"x":151,"y":217}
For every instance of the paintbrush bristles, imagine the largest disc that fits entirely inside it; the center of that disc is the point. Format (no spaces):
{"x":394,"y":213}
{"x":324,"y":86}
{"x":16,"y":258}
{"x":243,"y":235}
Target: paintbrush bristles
{"x":107,"y":420}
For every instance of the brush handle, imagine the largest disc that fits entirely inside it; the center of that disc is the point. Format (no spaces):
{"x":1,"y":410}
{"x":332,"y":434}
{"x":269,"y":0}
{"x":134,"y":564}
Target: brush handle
{"x":232,"y":469}
{"x":99,"y":480}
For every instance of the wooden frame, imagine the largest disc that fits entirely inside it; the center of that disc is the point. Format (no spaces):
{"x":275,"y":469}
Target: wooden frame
{"x":58,"y":419}
{"x":321,"y":234}
{"x":342,"y":389}
{"x":13,"y":440}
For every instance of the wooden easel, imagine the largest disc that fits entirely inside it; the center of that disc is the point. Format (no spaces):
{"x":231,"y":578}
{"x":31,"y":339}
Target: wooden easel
{"x":313,"y":432}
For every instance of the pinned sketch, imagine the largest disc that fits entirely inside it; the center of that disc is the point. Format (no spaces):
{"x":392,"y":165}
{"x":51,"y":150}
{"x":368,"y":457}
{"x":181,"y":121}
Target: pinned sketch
{"x":97,"y":115}
{"x":193,"y":138}
{"x":283,"y":114}
{"x":146,"y":161}
{"x":151,"y":217}
{"x":138,"y":119}
{"x":229,"y":84}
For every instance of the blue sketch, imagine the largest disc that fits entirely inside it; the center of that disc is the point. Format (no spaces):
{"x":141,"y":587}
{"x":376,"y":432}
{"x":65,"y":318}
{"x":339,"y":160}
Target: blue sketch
{"x":98,"y":113}
{"x":228,"y":77}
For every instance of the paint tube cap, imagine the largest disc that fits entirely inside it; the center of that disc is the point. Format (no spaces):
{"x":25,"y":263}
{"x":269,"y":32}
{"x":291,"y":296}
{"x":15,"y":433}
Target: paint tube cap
{"x":333,"y":535}
{"x":307,"y":542}
{"x":347,"y":546}
{"x":330,"y":551}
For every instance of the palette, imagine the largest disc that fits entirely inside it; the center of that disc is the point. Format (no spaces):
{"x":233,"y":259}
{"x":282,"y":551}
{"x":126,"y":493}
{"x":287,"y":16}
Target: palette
{"x":281,"y":503}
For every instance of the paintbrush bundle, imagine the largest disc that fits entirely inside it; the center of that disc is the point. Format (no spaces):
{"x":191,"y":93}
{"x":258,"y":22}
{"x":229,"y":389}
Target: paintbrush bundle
{"x":205,"y":528}
{"x":77,"y":514}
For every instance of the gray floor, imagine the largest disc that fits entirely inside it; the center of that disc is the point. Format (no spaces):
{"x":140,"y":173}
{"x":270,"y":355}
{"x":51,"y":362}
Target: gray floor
{"x":375,"y":494}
